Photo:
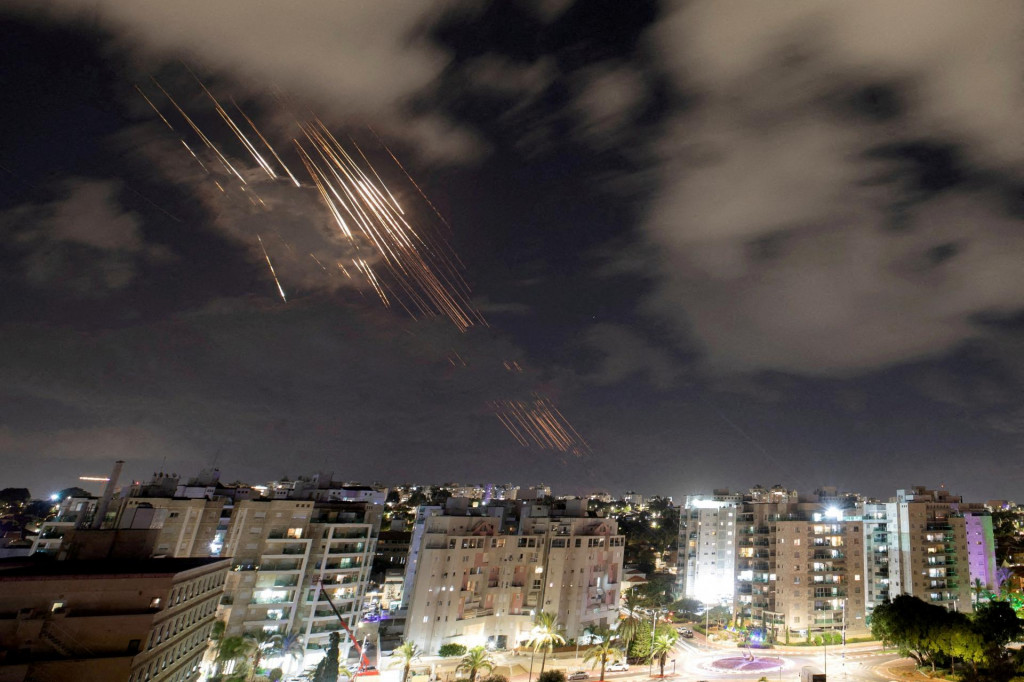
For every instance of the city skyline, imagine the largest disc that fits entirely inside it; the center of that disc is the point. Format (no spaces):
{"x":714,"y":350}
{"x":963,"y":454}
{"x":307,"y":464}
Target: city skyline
{"x":713,"y":246}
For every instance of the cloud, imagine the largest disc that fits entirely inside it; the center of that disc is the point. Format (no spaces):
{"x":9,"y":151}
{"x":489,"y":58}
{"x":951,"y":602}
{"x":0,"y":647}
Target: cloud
{"x":835,"y":201}
{"x":357,"y":63}
{"x":625,"y":354}
{"x":85,"y":243}
{"x":609,"y":97}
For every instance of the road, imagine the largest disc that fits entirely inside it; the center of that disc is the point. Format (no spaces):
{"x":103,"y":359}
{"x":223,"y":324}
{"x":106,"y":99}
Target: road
{"x":695,"y":660}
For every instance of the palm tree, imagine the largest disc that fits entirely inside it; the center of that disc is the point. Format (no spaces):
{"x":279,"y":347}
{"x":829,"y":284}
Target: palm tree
{"x":978,"y":589}
{"x":663,"y":644}
{"x":290,"y":647}
{"x":405,"y":654}
{"x":629,"y":626}
{"x":475,"y":660}
{"x":545,"y":635}
{"x":233,"y":649}
{"x":262,"y":642}
{"x":603,"y":651}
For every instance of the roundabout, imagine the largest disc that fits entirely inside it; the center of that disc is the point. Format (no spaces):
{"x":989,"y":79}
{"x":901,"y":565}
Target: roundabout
{"x":744,"y":664}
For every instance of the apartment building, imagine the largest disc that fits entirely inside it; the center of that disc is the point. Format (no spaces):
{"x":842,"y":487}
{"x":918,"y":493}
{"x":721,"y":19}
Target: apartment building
{"x":286,"y":554}
{"x":800,"y":563}
{"x":819,"y":574}
{"x":477,"y":575}
{"x":938,"y":546}
{"x":72,"y":513}
{"x":877,"y":584}
{"x":707,"y":545}
{"x":94,"y":621}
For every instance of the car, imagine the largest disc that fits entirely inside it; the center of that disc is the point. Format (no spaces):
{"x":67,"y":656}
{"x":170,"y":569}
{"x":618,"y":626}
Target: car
{"x":685,"y":632}
{"x":617,"y":667}
{"x":579,"y":675}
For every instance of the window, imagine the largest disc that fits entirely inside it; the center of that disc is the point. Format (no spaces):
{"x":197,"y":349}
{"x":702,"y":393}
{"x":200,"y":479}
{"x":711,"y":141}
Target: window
{"x":57,"y":607}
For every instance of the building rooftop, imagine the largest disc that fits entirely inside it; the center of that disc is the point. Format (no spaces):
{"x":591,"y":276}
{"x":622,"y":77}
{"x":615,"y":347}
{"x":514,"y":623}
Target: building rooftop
{"x":44,"y":567}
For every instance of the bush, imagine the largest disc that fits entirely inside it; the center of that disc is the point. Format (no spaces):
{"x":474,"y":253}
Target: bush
{"x":449,"y":650}
{"x":275,"y":675}
{"x":551,"y":676}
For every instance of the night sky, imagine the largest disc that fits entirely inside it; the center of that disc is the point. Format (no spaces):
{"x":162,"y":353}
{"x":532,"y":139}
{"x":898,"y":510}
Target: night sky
{"x":734,"y":243}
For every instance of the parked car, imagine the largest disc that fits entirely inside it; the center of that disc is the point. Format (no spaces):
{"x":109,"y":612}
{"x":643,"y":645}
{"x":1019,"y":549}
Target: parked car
{"x":617,"y":667}
{"x":685,"y":632}
{"x":579,"y":675}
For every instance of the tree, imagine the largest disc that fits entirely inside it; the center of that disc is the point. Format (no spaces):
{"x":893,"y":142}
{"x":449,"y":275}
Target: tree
{"x":629,"y":626}
{"x":978,"y":589}
{"x":997,"y":623}
{"x":232,"y":649}
{"x":475,"y":660}
{"x":604,"y":651}
{"x":451,"y":649}
{"x":405,"y":654}
{"x":545,"y":635}
{"x":327,"y":670}
{"x":664,"y":643}
{"x":688,"y":608}
{"x":262,"y":642}
{"x":291,"y":647}
{"x":640,"y":646}
{"x":552,"y":676}
{"x":912,"y":625}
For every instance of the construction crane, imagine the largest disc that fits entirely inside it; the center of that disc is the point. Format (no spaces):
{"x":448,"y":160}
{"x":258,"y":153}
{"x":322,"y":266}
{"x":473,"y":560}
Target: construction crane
{"x":364,"y":669}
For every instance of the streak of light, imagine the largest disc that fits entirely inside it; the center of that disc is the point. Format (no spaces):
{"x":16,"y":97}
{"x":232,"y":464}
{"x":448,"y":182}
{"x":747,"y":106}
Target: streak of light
{"x":538,"y":423}
{"x":99,"y":479}
{"x":264,"y":140}
{"x":271,"y":266}
{"x":407,"y":267}
{"x":412,"y":180}
{"x":512,"y":366}
{"x":422,"y":276}
{"x":249,"y":146}
{"x":154,"y":108}
{"x":202,"y":136}
{"x":194,"y":156}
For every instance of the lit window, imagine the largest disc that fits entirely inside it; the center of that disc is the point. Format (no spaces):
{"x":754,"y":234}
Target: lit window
{"x":154,"y":603}
{"x":57,"y":606}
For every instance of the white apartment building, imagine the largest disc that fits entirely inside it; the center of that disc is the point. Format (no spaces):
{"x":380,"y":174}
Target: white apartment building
{"x":707,"y":545}
{"x":286,"y":554}
{"x":474,"y":577}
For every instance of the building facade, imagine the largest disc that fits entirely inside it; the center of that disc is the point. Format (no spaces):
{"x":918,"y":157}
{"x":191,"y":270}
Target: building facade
{"x":707,"y":546}
{"x":477,"y":575}
{"x":95,"y":621}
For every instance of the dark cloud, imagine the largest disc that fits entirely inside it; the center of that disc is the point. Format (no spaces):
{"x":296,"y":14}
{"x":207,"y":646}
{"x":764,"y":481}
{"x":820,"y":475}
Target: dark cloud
{"x":84,"y":244}
{"x":770,"y":221}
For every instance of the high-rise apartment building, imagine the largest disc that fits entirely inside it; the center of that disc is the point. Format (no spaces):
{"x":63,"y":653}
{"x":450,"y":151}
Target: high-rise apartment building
{"x":477,"y":575}
{"x":707,"y":546}
{"x":938,"y":546}
{"x":286,"y":554}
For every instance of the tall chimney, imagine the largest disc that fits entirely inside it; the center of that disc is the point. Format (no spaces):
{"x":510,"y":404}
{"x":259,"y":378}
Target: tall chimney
{"x":108,"y":493}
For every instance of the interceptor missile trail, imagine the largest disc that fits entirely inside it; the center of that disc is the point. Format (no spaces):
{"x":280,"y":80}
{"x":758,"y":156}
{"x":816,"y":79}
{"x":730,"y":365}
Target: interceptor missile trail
{"x":271,"y":266}
{"x":406,"y":266}
{"x":204,"y":138}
